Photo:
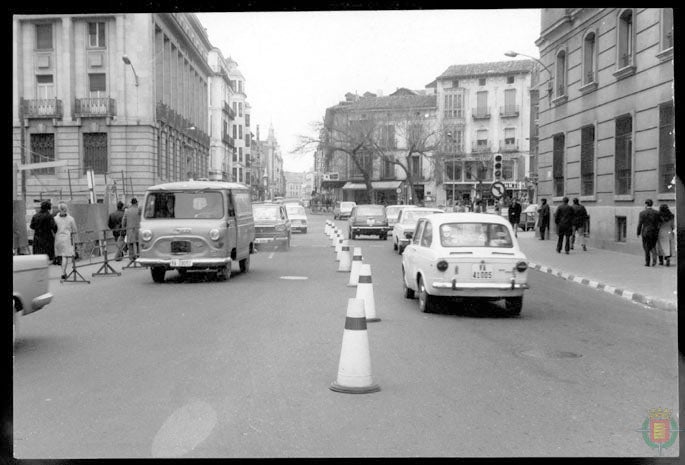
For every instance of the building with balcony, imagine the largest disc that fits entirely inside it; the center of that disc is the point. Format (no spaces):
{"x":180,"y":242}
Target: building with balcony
{"x":239,"y":130}
{"x":483,"y":110}
{"x":123,"y":95}
{"x":221,"y":117}
{"x":606,"y":124}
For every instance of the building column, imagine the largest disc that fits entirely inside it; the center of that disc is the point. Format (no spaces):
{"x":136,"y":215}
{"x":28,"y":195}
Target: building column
{"x":65,"y":70}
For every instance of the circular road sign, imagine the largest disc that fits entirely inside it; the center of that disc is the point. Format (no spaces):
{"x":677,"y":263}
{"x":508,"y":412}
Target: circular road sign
{"x":398,"y":190}
{"x":497,"y":189}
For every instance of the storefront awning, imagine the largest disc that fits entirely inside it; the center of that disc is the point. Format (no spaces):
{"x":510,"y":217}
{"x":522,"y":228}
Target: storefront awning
{"x":380,"y":185}
{"x":332,"y":183}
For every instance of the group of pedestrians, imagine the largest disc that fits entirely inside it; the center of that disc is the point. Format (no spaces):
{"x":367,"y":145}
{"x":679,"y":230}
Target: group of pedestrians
{"x":53,"y":234}
{"x":571,"y":222}
{"x":124,"y":224}
{"x":656,"y":229}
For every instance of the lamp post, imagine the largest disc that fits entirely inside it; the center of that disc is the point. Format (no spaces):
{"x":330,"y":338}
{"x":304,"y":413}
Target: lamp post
{"x":513,"y":54}
{"x":449,"y":135}
{"x":127,"y":61}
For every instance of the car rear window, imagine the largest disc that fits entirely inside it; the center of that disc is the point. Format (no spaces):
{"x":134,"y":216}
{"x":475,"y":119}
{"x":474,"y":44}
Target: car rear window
{"x":370,"y":210}
{"x":412,"y":216}
{"x":294,"y":209}
{"x":392,"y":212}
{"x":266,"y":212}
{"x":475,"y":235}
{"x":347,"y":205}
{"x":184,"y":205}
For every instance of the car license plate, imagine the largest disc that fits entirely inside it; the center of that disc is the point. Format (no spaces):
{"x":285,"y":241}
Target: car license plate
{"x":370,"y":221}
{"x":261,"y":240}
{"x":481,"y":271}
{"x":181,"y":263}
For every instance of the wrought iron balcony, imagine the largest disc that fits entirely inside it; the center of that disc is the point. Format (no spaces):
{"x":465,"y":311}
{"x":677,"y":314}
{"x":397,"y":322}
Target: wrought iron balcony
{"x":509,"y":111}
{"x":228,"y":140}
{"x":41,"y":108}
{"x":229,"y":111}
{"x":481,"y":113}
{"x":505,"y":146}
{"x":481,"y":148}
{"x":104,"y":106}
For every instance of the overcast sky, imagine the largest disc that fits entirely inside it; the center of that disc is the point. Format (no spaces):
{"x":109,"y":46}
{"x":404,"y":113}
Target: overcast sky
{"x":296,"y":64}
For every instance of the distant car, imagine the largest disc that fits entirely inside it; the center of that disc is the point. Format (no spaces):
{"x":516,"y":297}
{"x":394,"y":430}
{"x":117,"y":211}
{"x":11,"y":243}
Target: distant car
{"x":342,"y":210}
{"x":272,"y":225}
{"x":393,"y":211}
{"x":30,"y":280}
{"x":368,"y":220}
{"x":297,"y":216}
{"x":403,"y":230}
{"x":529,"y":216}
{"x":465,"y":255}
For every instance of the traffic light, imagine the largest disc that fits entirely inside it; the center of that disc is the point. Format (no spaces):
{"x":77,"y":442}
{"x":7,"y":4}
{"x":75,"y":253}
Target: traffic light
{"x":498,"y":167}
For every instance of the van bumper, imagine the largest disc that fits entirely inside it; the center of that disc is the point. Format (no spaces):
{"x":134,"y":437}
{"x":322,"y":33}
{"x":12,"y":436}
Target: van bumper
{"x":185,"y":263}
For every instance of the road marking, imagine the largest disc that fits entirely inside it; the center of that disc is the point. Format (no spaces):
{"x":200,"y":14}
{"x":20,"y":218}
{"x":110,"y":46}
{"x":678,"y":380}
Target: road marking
{"x":184,"y":430}
{"x":294,"y":277}
{"x":271,"y":255}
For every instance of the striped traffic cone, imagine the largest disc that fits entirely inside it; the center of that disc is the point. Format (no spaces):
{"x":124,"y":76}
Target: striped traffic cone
{"x":325,"y":228}
{"x":355,"y":267}
{"x":354,"y":369}
{"x":365,"y":292}
{"x":334,"y":237}
{"x":338,"y":248}
{"x":345,"y":257}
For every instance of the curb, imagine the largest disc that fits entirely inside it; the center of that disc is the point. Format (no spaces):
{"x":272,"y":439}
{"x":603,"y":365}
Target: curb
{"x":636,"y":297}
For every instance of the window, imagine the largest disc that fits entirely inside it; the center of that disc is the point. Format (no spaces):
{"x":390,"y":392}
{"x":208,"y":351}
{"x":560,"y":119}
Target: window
{"x":45,"y":88}
{"x":235,"y":107}
{"x":427,"y":236}
{"x":240,"y":131}
{"x":240,"y":154}
{"x":625,"y":39}
{"x":509,"y":101}
{"x":508,"y":170}
{"x":454,"y":104}
{"x":453,"y":170}
{"x":621,"y":228}
{"x":666,"y":28}
{"x":388,"y":168}
{"x":247,"y":120}
{"x":43,"y":150}
{"x":415,"y":166}
{"x":419,"y":230}
{"x":240,"y":109}
{"x":97,"y":83}
{"x":481,"y":81}
{"x":510,"y":79}
{"x":96,"y":34}
{"x":95,"y":152}
{"x":623,"y":155}
{"x":560,"y":78}
{"x":475,"y":235}
{"x":235,"y":131}
{"x":43,"y":36}
{"x":482,"y":138}
{"x":247,"y":140}
{"x":482,"y":103}
{"x":589,"y":58}
{"x":387,"y":136}
{"x":587,"y":160}
{"x":455,"y":82}
{"x":454,"y":140}
{"x":235,"y":156}
{"x":558,"y":164}
{"x":235,"y":174}
{"x":509,"y":136}
{"x":666,"y":148}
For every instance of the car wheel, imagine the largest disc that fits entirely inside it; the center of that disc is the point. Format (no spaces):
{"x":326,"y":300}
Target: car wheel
{"x":158,"y":273}
{"x":426,"y":301}
{"x":400,"y":249}
{"x":304,"y":231}
{"x":245,"y":264}
{"x":224,"y":273}
{"x":408,"y":292}
{"x":15,"y":322}
{"x":182,"y":273}
{"x":514,"y":305}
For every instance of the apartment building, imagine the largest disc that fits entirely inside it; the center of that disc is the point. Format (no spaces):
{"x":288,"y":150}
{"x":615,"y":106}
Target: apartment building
{"x":121,"y":95}
{"x":273,"y":177}
{"x":239,"y":131}
{"x":484,"y":111}
{"x":221,"y":118}
{"x":247,"y":151}
{"x":606,"y":124}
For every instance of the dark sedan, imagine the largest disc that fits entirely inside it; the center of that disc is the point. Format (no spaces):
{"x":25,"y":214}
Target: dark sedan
{"x":369,"y":220}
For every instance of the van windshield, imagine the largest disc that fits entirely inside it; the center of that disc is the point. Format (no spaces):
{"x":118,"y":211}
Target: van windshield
{"x":184,"y":205}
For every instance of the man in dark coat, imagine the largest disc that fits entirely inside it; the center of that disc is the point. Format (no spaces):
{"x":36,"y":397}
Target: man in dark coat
{"x":44,"y":227}
{"x":119,"y":234}
{"x":648,"y":227}
{"x":543,"y":218}
{"x":515,"y":215}
{"x":580,"y":219}
{"x":563,"y":218}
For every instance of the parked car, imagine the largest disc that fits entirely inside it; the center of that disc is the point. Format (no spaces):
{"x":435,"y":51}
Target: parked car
{"x":393,"y":211}
{"x":342,"y":210}
{"x":196,"y":226}
{"x":368,"y":220}
{"x":30,"y":278}
{"x":403,"y":230}
{"x":298,"y":217}
{"x":272,"y":225}
{"x":465,"y":255}
{"x":529,"y":216}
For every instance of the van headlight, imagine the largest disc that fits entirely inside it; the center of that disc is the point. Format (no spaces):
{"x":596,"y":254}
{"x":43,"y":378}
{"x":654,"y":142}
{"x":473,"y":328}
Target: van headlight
{"x":521,"y":267}
{"x":214,"y":234}
{"x":146,"y":234}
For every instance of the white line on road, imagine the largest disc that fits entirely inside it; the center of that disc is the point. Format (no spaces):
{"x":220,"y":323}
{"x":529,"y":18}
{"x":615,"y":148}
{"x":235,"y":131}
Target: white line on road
{"x":184,"y":430}
{"x":271,"y":255}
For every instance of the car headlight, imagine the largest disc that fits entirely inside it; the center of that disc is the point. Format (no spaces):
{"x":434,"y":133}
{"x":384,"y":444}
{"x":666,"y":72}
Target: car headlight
{"x":521,"y":267}
{"x":214,"y":234}
{"x":280,"y":227}
{"x":408,"y":234}
{"x":146,"y":234}
{"x":442,"y":265}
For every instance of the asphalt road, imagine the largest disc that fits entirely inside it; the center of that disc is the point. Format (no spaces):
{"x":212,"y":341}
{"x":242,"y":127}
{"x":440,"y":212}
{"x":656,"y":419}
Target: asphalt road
{"x":125,"y":367}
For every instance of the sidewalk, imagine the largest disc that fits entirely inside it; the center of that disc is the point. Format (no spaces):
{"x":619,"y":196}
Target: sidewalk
{"x":617,"y":273}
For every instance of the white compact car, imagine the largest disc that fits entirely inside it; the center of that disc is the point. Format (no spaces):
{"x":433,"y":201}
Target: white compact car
{"x":465,"y":255}
{"x":298,"y":217}
{"x":404,"y":227}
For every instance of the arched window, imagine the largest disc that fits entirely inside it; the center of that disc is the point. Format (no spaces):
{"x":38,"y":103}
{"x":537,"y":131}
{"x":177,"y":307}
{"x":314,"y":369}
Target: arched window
{"x":626,"y":46}
{"x":560,"y":78}
{"x":589,"y":60}
{"x":666,"y":28}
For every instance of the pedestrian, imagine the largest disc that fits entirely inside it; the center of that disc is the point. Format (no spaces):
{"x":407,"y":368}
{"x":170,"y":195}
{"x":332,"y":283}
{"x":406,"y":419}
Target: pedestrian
{"x":563,"y":218}
{"x":44,"y":227}
{"x":648,"y":228}
{"x":130,"y":223}
{"x":664,"y":244}
{"x":543,"y":218}
{"x":118,"y":232}
{"x":579,"y":223}
{"x":477,"y":208}
{"x":515,"y":215}
{"x":64,"y":244}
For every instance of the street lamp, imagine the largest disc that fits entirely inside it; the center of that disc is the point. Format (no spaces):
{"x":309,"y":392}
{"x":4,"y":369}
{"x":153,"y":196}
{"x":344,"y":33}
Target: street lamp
{"x":127,"y":61}
{"x":513,"y":54}
{"x":449,"y":135}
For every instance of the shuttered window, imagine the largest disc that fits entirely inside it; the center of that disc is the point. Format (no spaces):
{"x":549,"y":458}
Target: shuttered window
{"x":95,"y":152}
{"x":587,"y":160}
{"x":666,"y":148}
{"x":42,"y":150}
{"x":558,"y":164}
{"x":623,"y":155}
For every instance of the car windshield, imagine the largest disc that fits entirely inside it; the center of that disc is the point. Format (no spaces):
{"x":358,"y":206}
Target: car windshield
{"x":392,"y":212}
{"x":184,"y":205}
{"x":266,"y":212}
{"x":370,"y":210}
{"x":412,"y":216}
{"x":295,"y":210}
{"x":347,"y":205}
{"x":475,"y":235}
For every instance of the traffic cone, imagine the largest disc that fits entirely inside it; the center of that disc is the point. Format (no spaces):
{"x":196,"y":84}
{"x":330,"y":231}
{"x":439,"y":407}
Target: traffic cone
{"x":365,"y":292}
{"x":354,"y":369}
{"x":334,"y":238}
{"x":325,"y":228}
{"x":345,"y":257}
{"x":338,"y":248}
{"x":355,"y":267}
